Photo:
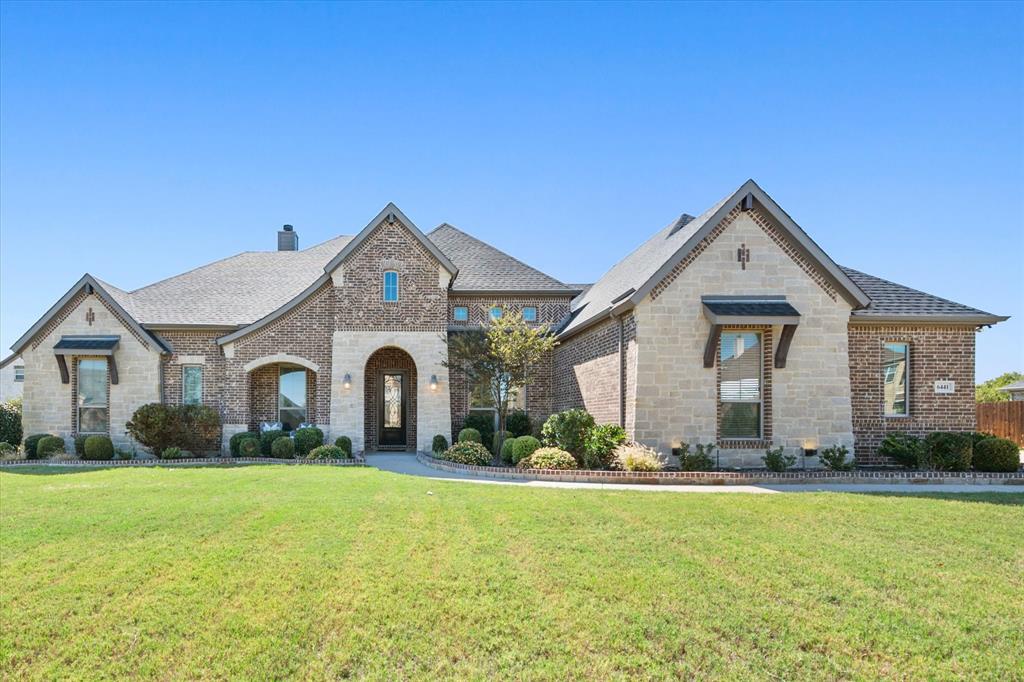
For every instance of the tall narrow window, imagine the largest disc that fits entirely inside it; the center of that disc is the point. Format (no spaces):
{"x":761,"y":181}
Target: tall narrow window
{"x":530,"y":314}
{"x":895,"y":361}
{"x":92,"y":395}
{"x":192,"y":385}
{"x":292,"y":397}
{"x":740,"y":388}
{"x":390,"y":285}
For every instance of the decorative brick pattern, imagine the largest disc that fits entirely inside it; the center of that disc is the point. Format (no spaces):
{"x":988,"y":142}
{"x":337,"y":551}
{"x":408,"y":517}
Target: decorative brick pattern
{"x":59,"y":318}
{"x":383,"y":360}
{"x":551,"y":310}
{"x":936,"y":354}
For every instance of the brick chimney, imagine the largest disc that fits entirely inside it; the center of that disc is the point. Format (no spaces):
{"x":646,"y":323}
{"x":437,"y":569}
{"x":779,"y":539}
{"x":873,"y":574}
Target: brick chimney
{"x":287,"y":239}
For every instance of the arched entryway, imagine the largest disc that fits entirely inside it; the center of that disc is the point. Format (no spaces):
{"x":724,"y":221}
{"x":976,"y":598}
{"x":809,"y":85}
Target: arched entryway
{"x":282,"y":389}
{"x":390,"y":400}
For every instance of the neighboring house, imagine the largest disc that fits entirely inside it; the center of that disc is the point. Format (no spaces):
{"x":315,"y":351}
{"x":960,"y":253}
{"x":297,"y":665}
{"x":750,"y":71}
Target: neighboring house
{"x":732,"y":327}
{"x":12,"y":378}
{"x":1016,"y":390}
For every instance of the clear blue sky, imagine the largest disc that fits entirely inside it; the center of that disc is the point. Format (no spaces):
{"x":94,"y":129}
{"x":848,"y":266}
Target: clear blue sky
{"x":141,"y":140}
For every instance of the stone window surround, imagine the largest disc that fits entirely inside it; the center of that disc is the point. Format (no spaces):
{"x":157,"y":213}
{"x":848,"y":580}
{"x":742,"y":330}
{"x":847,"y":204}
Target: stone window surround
{"x":765,"y":441}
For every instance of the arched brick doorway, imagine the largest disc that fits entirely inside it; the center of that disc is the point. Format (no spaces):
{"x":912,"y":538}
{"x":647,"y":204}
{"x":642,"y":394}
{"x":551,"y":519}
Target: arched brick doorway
{"x":390,"y":400}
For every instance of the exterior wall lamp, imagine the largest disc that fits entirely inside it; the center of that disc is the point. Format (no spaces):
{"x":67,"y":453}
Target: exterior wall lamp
{"x":346,"y":383}
{"x":433,"y":382}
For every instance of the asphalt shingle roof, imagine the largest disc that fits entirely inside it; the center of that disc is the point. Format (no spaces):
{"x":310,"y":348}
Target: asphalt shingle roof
{"x":889,"y":299}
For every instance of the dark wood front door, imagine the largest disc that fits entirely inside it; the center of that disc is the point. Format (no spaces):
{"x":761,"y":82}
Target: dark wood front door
{"x":391,"y":407}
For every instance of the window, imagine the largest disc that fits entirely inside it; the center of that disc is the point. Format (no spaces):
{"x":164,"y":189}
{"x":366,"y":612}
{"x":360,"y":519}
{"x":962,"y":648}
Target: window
{"x":530,"y":314}
{"x":192,"y":385}
{"x":480,"y":400}
{"x":92,"y":395}
{"x":496,"y":313}
{"x":19,"y":372}
{"x":895,"y":357}
{"x":461,"y":313}
{"x":390,"y":286}
{"x":291,"y":397}
{"x":740,"y":388}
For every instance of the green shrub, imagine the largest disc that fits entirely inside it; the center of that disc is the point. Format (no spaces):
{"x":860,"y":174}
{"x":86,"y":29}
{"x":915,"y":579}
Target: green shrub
{"x":201,"y":427}
{"x":80,"y":445}
{"x":439,"y":444}
{"x":306,"y":439}
{"x":698,"y":460}
{"x":267,"y":439}
{"x":468,"y":452}
{"x":834,"y":458}
{"x":599,"y":446}
{"x":328,"y":452}
{"x":158,"y":426}
{"x":904,"y":449}
{"x":507,"y":456}
{"x":549,"y":458}
{"x":236,"y":440}
{"x":283,"y":447}
{"x":8,"y":452}
{"x":637,"y":457}
{"x":249,"y":447}
{"x":568,"y":430}
{"x":978,"y":436}
{"x":469,"y":435}
{"x":947,"y":451}
{"x":501,"y":436}
{"x":483,"y":422}
{"x":48,"y":446}
{"x":776,"y":460}
{"x":345,"y":443}
{"x":518,"y":423}
{"x":996,"y":454}
{"x":32,"y":445}
{"x":98,"y":448}
{"x":523,"y":448}
{"x":174,"y":452}
{"x":10,"y":422}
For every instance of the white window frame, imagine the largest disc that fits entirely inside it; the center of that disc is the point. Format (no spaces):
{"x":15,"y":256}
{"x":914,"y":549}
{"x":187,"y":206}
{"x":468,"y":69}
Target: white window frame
{"x":106,"y":396}
{"x":534,"y":309}
{"x":202,"y":382}
{"x":906,"y":382}
{"x":19,"y":373}
{"x":465,"y":312}
{"x":760,"y":386}
{"x":385,"y":285}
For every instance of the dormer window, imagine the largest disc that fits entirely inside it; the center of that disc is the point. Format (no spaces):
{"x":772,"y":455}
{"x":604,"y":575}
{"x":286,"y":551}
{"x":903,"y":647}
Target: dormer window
{"x":390,"y":286}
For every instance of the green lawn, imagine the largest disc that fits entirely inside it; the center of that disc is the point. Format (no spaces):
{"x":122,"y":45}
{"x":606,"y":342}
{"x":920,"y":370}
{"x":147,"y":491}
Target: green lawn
{"x":269,"y":572}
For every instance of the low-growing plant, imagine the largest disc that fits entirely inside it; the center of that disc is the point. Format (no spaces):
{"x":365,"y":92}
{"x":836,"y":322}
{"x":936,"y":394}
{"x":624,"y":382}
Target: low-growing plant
{"x":10,"y":422}
{"x":947,"y":451}
{"x":283,"y":447}
{"x":8,"y":452}
{"x":518,"y":423}
{"x":698,"y":460}
{"x":996,"y":454}
{"x":327,"y":452}
{"x":32,"y":445}
{"x":549,"y":458}
{"x":469,"y":435}
{"x":599,"y":446}
{"x":174,"y":452}
{"x":307,"y":438}
{"x":267,"y":439}
{"x":49,"y":446}
{"x":903,"y":448}
{"x":834,"y":458}
{"x":523,"y":448}
{"x":468,"y":452}
{"x":439,"y":444}
{"x":775,"y":459}
{"x":98,"y":448}
{"x":345,"y":443}
{"x":236,"y":439}
{"x":249,"y":447}
{"x":637,"y":457}
{"x":568,"y":430}
{"x":507,"y":452}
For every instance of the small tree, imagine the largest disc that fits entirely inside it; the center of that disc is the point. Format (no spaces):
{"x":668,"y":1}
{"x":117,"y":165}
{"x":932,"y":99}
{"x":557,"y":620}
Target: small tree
{"x":500,"y":355}
{"x":988,"y":392}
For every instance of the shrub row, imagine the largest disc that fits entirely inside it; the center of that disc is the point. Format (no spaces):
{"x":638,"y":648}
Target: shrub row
{"x":952,"y":451}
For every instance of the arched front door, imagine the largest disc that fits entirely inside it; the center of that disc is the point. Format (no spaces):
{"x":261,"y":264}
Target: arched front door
{"x":390,"y":400}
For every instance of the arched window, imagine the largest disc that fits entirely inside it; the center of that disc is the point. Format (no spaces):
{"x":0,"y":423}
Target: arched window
{"x":390,"y":285}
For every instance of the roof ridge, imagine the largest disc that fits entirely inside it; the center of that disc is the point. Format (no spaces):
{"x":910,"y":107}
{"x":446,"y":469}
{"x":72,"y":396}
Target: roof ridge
{"x":503,"y":253}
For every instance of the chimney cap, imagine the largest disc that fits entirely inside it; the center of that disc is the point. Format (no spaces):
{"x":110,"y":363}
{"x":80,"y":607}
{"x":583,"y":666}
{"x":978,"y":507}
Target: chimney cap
{"x":288,"y":228}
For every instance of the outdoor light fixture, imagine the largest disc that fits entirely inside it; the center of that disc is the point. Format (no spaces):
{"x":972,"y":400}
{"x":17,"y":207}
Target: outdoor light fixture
{"x":347,"y":381}
{"x":433,"y":382}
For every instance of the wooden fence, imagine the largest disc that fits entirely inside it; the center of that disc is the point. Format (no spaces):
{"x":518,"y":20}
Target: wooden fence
{"x":1005,"y":419}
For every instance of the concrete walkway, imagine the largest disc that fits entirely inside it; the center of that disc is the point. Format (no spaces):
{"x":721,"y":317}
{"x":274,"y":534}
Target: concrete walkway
{"x":407,"y":464}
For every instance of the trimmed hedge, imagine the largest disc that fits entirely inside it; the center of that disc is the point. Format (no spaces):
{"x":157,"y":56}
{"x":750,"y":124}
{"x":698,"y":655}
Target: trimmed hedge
{"x":549,"y":458}
{"x":249,"y":447}
{"x":327,"y":452}
{"x":524,"y":447}
{"x":469,"y":435}
{"x":345,"y":443}
{"x":996,"y":454}
{"x":468,"y":452}
{"x":98,"y":448}
{"x":158,"y":426}
{"x":504,"y":435}
{"x":905,"y":449}
{"x":236,"y":440}
{"x":507,"y":455}
{"x":307,"y":438}
{"x":32,"y":444}
{"x":947,"y":451}
{"x":439,"y":444}
{"x":80,"y":445}
{"x":283,"y":448}
{"x":267,"y":439}
{"x":49,"y":445}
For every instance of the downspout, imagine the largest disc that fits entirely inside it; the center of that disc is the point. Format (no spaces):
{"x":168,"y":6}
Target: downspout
{"x":622,"y":374}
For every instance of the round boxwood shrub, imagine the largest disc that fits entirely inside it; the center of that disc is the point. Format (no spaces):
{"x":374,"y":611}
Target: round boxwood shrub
{"x":507,"y":455}
{"x":469,"y":435}
{"x":948,"y":451}
{"x":249,"y":447}
{"x":345,"y":443}
{"x":523,"y":448}
{"x":499,"y":435}
{"x":307,"y":438}
{"x":549,"y":458}
{"x":80,"y":445}
{"x":904,"y":449}
{"x":98,"y":448}
{"x":327,"y":452}
{"x":518,"y":423}
{"x":439,"y":444}
{"x":468,"y":452}
{"x":996,"y":454}
{"x":568,"y":430}
{"x":32,"y":445}
{"x":267,"y":439}
{"x":48,"y":446}
{"x":283,"y":447}
{"x":10,"y":423}
{"x":235,"y":441}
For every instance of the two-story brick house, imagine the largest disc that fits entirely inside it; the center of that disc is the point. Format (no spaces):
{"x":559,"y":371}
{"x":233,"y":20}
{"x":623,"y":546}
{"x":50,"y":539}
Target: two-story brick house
{"x":732,"y":327}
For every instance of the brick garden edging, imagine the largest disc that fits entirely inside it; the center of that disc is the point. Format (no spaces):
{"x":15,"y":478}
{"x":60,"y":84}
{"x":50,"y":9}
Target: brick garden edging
{"x":355,"y":461}
{"x":728,"y":477}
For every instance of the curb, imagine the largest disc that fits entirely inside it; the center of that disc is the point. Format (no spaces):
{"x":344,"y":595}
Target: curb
{"x":356,"y":461}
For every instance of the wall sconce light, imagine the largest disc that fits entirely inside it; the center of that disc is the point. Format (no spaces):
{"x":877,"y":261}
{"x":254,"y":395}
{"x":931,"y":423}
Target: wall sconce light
{"x":347,"y":382}
{"x":433,"y":382}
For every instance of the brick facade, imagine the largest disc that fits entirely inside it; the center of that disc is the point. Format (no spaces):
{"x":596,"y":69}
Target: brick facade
{"x":936,"y":354}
